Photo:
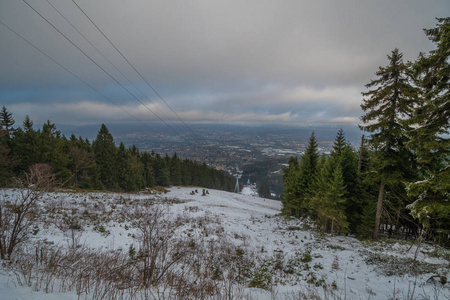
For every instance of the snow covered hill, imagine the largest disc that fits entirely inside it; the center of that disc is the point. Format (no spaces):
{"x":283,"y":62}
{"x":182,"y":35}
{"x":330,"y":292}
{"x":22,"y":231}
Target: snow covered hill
{"x":243,"y":249}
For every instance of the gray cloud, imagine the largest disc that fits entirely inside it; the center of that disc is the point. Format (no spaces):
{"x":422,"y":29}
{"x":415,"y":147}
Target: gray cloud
{"x":243,"y":61}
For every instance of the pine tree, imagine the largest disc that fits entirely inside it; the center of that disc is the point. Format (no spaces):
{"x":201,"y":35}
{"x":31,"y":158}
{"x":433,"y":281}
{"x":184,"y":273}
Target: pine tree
{"x":6,"y":157}
{"x":175,"y":170}
{"x":264,"y":191}
{"x":344,"y":156}
{"x":333,"y":203}
{"x":339,"y":142}
{"x":124,"y":175}
{"x":53,"y":148}
{"x":105,"y":153}
{"x":6,"y":119}
{"x":148,"y":173}
{"x":161,"y":171}
{"x":5,"y":165}
{"x":388,"y":105}
{"x":298,"y":180}
{"x":430,"y":134}
{"x":290,"y":191}
{"x":307,"y":171}
{"x":81,"y":162}
{"x":25,"y":147}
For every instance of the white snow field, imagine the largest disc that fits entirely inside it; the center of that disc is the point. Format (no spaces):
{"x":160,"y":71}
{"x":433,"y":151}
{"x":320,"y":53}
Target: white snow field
{"x":280,"y":258}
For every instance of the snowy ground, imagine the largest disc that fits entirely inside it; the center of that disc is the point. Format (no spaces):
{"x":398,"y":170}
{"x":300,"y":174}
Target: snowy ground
{"x":299,"y":259}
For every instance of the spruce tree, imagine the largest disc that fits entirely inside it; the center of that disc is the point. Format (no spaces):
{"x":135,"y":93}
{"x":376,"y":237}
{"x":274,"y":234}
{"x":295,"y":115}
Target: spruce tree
{"x":161,"y":171}
{"x":307,"y":171}
{"x":298,"y":179}
{"x":6,"y":119}
{"x":175,"y":170}
{"x":124,"y":176}
{"x":290,"y":191}
{"x":148,"y":173}
{"x":344,"y":157}
{"x":5,"y":165}
{"x":431,"y":124}
{"x":339,"y":142}
{"x":25,"y":146}
{"x":333,"y":202}
{"x":105,"y":153}
{"x":81,"y":163}
{"x":388,"y":105}
{"x":6,"y":145}
{"x":264,"y":191}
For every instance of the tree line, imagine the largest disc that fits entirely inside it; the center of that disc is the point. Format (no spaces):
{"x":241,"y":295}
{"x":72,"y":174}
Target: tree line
{"x":78,"y":163}
{"x":400,"y":177}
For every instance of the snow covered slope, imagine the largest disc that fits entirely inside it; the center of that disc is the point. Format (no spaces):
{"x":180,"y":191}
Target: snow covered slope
{"x":293,"y":258}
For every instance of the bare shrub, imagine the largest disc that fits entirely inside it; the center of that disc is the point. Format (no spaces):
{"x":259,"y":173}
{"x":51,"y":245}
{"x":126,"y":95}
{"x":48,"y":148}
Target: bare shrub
{"x":17,"y":211}
{"x":159,"y":249}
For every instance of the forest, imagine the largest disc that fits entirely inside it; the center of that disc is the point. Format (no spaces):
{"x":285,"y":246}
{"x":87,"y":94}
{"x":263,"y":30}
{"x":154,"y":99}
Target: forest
{"x":399,"y":180}
{"x":100,"y":165}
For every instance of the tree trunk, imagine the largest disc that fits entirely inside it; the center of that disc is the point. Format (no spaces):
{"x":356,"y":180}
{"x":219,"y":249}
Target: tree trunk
{"x":379,"y":210}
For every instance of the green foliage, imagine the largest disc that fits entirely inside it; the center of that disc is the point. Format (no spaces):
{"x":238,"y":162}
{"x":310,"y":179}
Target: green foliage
{"x":6,"y":119}
{"x":105,"y":155}
{"x":330,"y":198}
{"x":298,"y":180}
{"x":7,"y":161}
{"x":261,"y":277}
{"x":132,"y":252}
{"x":429,"y":139}
{"x":102,"y":165}
{"x":388,"y":106}
{"x":263,"y":190}
{"x":102,"y":230}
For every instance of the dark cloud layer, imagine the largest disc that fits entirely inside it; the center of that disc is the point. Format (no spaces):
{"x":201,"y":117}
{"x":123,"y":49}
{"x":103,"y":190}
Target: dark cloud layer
{"x":299,"y":62}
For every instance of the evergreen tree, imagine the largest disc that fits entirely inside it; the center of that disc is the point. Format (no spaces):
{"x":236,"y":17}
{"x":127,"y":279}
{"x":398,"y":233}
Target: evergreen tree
{"x":298,"y":179}
{"x":124,"y":175}
{"x":175,"y":170}
{"x":161,"y":171}
{"x":6,"y":159}
{"x":25,"y":147}
{"x":264,"y":191}
{"x":81,"y":163}
{"x":430,"y":135}
{"x":5,"y":170}
{"x":148,"y":172}
{"x":186,"y":177}
{"x":330,"y":201}
{"x":307,"y":172}
{"x":290,"y":192}
{"x":388,"y":105}
{"x":6,"y":119}
{"x":105,"y":154}
{"x":57,"y":156}
{"x":339,"y":142}
{"x":342,"y":156}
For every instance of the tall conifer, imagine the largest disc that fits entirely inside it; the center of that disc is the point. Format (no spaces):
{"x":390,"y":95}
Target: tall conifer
{"x":105,"y":153}
{"x":387,"y":106}
{"x":431,"y":125}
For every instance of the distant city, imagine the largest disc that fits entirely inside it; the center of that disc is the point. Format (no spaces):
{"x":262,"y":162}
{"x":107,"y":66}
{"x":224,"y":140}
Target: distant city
{"x":226,"y":147}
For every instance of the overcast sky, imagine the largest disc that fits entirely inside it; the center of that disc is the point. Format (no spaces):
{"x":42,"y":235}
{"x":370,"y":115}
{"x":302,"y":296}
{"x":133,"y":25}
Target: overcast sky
{"x":296,"y":62}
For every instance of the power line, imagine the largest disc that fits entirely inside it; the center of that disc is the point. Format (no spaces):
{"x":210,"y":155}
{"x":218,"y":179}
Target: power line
{"x":72,"y":73}
{"x":142,"y":77}
{"x":137,"y":99}
{"x":199,"y":139}
{"x":114,"y":79}
{"x":117,"y":69}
